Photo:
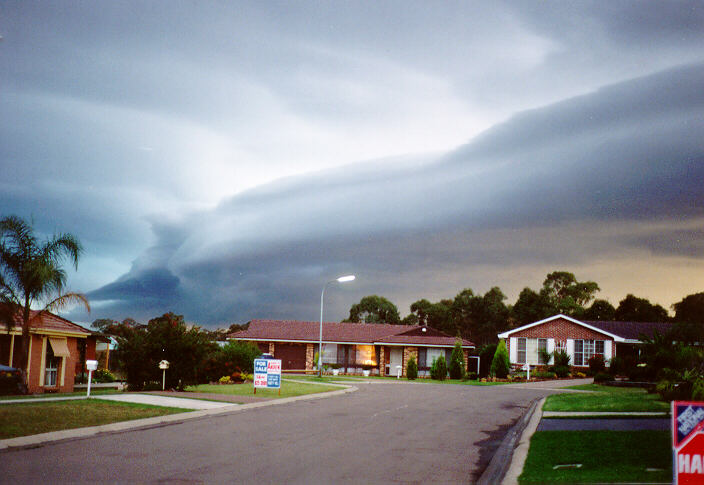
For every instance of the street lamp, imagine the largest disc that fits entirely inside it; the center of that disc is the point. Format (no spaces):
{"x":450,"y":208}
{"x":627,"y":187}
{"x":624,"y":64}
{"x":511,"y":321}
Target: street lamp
{"x":341,"y":279}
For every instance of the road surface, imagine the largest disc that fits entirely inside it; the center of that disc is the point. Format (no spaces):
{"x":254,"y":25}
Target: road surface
{"x":384,"y":433}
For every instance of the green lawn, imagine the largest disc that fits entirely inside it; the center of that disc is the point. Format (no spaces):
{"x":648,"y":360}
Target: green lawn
{"x":288,"y":389}
{"x":93,"y":392}
{"x":605,"y":399}
{"x":605,"y":456}
{"x":25,"y":419}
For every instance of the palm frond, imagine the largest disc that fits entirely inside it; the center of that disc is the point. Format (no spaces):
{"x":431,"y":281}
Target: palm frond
{"x":68,"y":299}
{"x":61,"y":246}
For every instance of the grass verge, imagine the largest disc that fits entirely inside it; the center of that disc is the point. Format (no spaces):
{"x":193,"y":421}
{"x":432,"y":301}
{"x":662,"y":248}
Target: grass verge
{"x":24,"y":419}
{"x":353,"y":379}
{"x":93,"y":392}
{"x":606,"y":399}
{"x":288,"y":389}
{"x":605,"y":456}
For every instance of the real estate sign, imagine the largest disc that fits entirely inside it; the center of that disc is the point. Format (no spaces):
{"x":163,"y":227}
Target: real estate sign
{"x":267,"y":373}
{"x":688,"y":441}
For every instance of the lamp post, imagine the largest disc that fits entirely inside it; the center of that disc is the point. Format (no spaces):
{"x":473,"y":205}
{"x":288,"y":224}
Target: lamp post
{"x":341,"y":279}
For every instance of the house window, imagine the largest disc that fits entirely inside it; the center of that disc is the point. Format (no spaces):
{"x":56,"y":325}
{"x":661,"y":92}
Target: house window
{"x":521,"y":350}
{"x":542,"y":348}
{"x":52,"y":367}
{"x":586,"y":349}
{"x":528,"y":350}
{"x":422,"y":357}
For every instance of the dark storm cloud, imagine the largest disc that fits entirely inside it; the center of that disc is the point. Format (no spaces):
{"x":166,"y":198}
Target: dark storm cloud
{"x":539,"y":188}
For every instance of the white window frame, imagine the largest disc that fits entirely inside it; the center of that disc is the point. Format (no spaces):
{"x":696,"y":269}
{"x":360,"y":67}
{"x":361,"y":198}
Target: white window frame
{"x":588,"y":350}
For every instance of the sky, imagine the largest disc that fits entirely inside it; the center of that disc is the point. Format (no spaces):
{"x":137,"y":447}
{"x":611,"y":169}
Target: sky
{"x":224,"y":160}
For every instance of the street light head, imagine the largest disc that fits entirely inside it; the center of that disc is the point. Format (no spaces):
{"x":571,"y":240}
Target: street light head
{"x":344,"y":279}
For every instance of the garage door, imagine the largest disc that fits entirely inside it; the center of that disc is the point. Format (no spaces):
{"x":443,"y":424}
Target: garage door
{"x":292,"y":356}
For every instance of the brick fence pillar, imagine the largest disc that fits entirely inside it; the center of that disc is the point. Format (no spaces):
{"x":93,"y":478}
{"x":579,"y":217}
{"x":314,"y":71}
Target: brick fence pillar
{"x":382,"y":364}
{"x":408,"y":352}
{"x":309,"y":356}
{"x":272,"y":348}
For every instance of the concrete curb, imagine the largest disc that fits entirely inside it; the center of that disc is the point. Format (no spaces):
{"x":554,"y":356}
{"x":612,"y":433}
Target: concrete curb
{"x":601,"y":414}
{"x":37,"y":440}
{"x":499,"y":463}
{"x":521,"y":452}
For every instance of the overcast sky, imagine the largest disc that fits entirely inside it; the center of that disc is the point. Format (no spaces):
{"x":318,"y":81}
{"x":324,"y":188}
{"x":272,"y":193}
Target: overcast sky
{"x":223,"y":160}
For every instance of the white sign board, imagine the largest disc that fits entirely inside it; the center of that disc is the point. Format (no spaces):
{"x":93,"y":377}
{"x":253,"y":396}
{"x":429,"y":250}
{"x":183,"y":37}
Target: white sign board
{"x":267,"y":373}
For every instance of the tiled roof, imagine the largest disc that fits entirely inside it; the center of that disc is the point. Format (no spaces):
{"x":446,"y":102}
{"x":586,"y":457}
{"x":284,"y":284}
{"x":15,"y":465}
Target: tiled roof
{"x":630,"y":330}
{"x":47,"y":321}
{"x":290,"y":330}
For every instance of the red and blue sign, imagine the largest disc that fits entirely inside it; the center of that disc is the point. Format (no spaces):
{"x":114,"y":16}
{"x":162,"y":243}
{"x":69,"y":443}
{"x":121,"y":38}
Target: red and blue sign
{"x":688,"y":441}
{"x":267,"y":373}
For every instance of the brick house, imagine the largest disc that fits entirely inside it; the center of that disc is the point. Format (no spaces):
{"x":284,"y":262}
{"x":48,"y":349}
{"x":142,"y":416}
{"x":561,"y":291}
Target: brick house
{"x":580,"y":339}
{"x":352,"y":347}
{"x":58,"y":349}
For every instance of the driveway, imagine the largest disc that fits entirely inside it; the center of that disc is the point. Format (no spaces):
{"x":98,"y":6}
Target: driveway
{"x":396,"y":432}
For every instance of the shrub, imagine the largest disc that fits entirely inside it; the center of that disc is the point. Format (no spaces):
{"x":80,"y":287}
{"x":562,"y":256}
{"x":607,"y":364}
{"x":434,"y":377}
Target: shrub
{"x":438,"y":370}
{"x":457,"y":365}
{"x":500,"y":365}
{"x":486,"y":354}
{"x":412,"y":368}
{"x":698,"y":390}
{"x":561,"y":358}
{"x":542,"y":375}
{"x":224,"y":380}
{"x":545,"y":356}
{"x":561,"y":370}
{"x":580,"y":375}
{"x":103,"y":375}
{"x":596,"y":364}
{"x":247,"y":377}
{"x":602,"y":377}
{"x":470,"y":376}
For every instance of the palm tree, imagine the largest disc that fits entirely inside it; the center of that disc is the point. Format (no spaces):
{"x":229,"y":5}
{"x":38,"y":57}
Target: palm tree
{"x":31,"y":273}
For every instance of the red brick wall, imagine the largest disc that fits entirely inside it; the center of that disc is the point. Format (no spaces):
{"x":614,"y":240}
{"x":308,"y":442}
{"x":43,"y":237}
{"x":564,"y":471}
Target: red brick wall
{"x":35,"y":363}
{"x":560,"y":329}
{"x":36,"y":369}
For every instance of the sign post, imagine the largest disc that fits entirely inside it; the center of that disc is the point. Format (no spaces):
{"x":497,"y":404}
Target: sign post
{"x":688,"y":442}
{"x":163,"y":365}
{"x":267,"y":374}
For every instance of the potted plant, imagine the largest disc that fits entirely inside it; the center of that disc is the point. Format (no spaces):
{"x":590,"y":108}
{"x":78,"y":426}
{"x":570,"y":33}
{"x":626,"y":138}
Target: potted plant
{"x":335,"y":369}
{"x":366,"y":369}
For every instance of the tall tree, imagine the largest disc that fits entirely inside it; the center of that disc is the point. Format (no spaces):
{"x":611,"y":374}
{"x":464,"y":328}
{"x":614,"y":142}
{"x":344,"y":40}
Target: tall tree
{"x":690,"y":309}
{"x":374,"y":309}
{"x":31,"y":273}
{"x":634,"y":309}
{"x":531,"y":307}
{"x":480,"y":317}
{"x":568,"y":295}
{"x":600,"y":310}
{"x":420,"y":309}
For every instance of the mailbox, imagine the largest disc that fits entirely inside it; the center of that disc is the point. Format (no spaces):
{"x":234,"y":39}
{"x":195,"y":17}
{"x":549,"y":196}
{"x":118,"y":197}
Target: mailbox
{"x":91,"y":364}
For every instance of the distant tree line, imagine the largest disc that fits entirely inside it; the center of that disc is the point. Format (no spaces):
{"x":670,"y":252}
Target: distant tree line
{"x":480,"y":318}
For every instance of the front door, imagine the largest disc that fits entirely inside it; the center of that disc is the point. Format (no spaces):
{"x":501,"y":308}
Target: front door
{"x":395,"y":359}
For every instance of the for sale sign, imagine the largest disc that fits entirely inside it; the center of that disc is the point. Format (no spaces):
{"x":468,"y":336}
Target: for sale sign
{"x":267,"y":373}
{"x":688,"y":441}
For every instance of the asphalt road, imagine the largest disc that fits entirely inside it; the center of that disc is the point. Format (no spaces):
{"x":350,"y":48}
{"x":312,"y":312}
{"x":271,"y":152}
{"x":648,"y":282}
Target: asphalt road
{"x":384,"y":433}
